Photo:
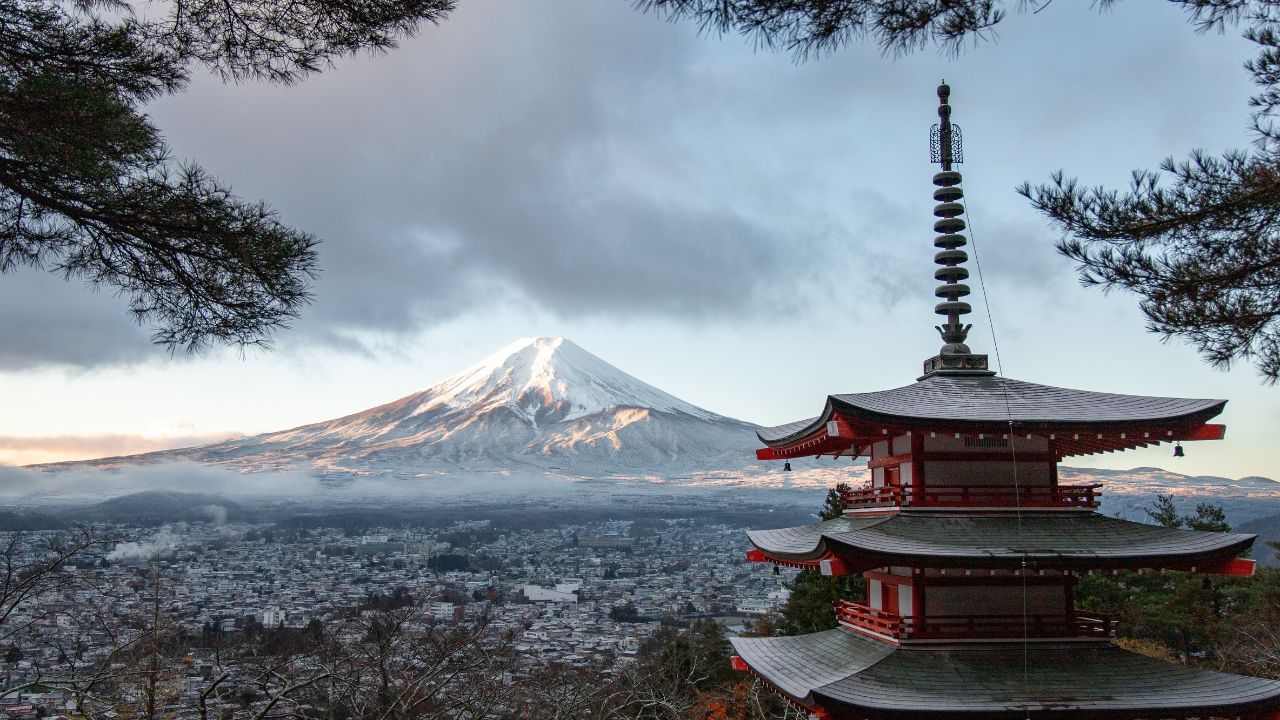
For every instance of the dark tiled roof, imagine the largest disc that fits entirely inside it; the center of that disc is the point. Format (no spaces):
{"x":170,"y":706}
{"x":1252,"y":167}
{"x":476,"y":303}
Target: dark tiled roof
{"x":796,"y":665}
{"x":1085,"y":538}
{"x":791,"y":428}
{"x":870,"y":677}
{"x":977,"y":400}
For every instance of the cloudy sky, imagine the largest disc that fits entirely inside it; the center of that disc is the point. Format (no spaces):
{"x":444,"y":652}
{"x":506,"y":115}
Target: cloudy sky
{"x":745,"y":232}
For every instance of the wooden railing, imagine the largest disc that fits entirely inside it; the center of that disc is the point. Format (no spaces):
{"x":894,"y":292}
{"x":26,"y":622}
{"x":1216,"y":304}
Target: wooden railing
{"x":1092,"y":625}
{"x":963,"y":627}
{"x":868,"y":618}
{"x":1081,"y":496}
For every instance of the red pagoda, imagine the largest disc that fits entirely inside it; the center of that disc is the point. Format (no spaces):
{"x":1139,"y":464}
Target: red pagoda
{"x":971,"y":547}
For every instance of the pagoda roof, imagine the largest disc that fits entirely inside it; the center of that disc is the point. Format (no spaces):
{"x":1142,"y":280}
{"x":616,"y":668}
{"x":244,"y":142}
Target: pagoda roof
{"x":842,"y":671}
{"x":1067,"y":540}
{"x":989,"y":403}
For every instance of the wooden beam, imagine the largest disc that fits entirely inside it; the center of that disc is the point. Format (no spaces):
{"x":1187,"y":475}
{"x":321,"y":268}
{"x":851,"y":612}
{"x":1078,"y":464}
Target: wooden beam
{"x":889,"y":460}
{"x":988,"y":456}
{"x":1208,"y":431}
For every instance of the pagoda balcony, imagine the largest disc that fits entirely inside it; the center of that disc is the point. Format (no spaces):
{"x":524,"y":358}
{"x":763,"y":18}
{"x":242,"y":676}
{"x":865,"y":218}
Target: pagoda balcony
{"x":1089,"y":625}
{"x":957,"y":496}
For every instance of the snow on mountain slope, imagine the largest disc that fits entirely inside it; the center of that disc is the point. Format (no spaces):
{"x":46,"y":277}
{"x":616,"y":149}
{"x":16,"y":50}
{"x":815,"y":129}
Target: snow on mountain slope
{"x":540,"y":402}
{"x":549,"y":379}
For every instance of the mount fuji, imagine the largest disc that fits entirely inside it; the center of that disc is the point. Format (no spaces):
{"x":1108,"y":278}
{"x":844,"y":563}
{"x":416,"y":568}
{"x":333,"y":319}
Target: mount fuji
{"x":540,"y":403}
{"x":544,"y":407}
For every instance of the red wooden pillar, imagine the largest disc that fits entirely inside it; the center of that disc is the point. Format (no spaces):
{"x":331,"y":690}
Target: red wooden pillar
{"x":889,"y":597}
{"x":1069,"y":593}
{"x":1054,"y":459}
{"x":917,"y":598}
{"x":917,"y":462}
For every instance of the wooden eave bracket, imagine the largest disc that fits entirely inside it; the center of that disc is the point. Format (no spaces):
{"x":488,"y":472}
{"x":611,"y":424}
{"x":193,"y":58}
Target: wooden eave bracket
{"x":1208,"y":431}
{"x":829,"y":564}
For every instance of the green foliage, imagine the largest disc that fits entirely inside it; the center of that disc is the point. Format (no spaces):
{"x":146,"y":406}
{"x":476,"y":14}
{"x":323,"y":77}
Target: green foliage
{"x":399,"y":597}
{"x":1208,"y":518}
{"x":809,"y":29}
{"x":1224,"y":622}
{"x":88,"y":188}
{"x":1164,"y":513}
{"x":448,"y":562}
{"x":811,"y":606}
{"x":698,"y":657}
{"x":1178,"y":610}
{"x":834,"y":506}
{"x":1250,"y":641}
{"x":1182,"y":611}
{"x":625,"y":612}
{"x":763,"y":626}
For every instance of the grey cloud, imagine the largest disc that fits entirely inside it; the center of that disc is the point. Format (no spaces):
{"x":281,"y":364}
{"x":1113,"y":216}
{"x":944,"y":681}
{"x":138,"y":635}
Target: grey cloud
{"x":548,"y":154}
{"x":581,"y":158}
{"x":47,"y":320}
{"x":520,"y":153}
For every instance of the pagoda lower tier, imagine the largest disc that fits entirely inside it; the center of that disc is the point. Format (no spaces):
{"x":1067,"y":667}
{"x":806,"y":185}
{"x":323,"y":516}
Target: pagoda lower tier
{"x":837,"y":674}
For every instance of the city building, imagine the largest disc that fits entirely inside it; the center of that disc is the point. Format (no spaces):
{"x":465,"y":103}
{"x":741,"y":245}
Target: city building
{"x":971,"y":548}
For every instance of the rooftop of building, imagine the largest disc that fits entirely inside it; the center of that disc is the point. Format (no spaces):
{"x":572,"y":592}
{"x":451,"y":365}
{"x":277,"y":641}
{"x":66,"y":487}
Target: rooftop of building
{"x":843,"y":672}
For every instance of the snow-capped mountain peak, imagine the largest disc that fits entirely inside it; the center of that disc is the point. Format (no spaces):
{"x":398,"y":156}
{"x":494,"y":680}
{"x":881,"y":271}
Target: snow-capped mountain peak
{"x":537,"y":403}
{"x":548,"y":379}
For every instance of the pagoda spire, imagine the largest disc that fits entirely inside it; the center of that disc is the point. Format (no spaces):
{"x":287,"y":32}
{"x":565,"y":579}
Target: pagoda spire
{"x":946,"y":149}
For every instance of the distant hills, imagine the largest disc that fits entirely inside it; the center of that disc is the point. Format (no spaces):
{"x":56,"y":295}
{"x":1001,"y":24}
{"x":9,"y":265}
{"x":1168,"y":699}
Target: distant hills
{"x":161,"y":506}
{"x":1126,"y":493}
{"x":1268,"y":530}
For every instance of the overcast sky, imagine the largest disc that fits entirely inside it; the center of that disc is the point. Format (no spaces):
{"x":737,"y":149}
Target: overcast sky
{"x":744,"y":232}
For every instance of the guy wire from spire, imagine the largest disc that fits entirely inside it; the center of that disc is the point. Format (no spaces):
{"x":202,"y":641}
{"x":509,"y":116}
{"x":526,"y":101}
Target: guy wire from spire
{"x":1013,"y":451}
{"x":940,"y":141}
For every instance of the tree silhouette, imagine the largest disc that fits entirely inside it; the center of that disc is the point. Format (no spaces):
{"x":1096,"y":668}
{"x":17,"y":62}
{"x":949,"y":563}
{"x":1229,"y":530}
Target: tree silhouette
{"x":88,"y":188}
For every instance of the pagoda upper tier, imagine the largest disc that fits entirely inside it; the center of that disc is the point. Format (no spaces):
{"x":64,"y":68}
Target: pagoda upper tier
{"x":1074,"y":422}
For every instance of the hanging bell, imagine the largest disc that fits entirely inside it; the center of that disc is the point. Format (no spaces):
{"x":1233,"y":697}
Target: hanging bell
{"x":786,"y":466}
{"x":1177,"y":450}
